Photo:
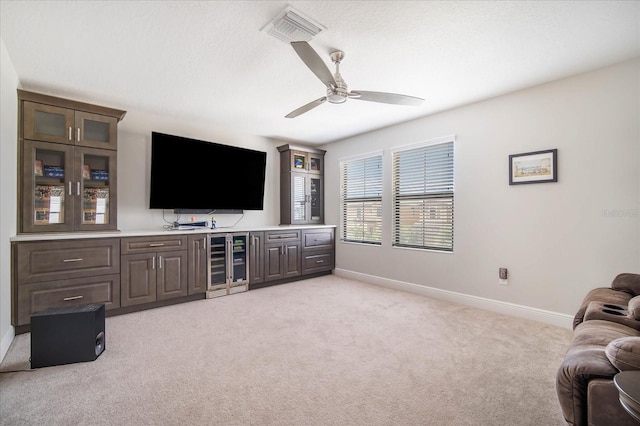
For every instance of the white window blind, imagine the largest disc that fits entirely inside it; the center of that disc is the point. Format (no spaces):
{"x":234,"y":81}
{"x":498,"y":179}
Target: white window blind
{"x":361,"y":199}
{"x":423,"y":197}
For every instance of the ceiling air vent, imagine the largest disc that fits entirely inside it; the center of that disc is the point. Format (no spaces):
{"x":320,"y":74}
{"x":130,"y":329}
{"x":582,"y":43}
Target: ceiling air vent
{"x":292,"y":25}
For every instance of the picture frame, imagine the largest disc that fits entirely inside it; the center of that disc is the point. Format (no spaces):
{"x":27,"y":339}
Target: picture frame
{"x":533,"y":167}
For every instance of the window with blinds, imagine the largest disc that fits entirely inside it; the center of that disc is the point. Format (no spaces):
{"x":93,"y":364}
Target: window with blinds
{"x":423,"y":196}
{"x":361,"y":199}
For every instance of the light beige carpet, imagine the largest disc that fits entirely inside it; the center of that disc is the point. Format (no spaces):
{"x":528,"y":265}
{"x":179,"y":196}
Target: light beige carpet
{"x":324,"y":351}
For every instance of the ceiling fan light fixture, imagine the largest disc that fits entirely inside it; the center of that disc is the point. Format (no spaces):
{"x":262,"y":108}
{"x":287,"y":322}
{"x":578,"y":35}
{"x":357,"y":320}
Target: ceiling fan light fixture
{"x":292,"y":25}
{"x":336,"y":98}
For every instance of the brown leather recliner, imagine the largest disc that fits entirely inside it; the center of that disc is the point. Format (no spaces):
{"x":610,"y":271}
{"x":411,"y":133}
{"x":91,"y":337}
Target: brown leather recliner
{"x":606,"y":340}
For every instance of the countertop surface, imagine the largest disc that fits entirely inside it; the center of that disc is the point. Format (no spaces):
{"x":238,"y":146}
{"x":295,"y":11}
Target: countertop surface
{"x":158,"y":232}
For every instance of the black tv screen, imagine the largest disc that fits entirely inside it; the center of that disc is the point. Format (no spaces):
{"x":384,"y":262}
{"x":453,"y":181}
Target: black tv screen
{"x":190,"y":174}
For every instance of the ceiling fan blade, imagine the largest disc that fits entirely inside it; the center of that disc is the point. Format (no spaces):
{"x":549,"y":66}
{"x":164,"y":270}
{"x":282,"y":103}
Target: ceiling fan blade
{"x":306,"y":107}
{"x":314,"y":62}
{"x":387,"y":98}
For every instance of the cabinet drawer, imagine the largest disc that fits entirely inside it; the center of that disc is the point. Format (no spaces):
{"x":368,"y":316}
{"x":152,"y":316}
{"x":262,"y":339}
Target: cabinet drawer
{"x":37,"y":297}
{"x":134,"y":245}
{"x":317,"y":262}
{"x":282,"y":236}
{"x":317,"y":239}
{"x":59,"y":260}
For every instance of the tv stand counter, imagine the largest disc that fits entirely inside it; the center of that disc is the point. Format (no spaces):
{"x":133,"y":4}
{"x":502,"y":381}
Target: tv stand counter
{"x":157,"y":232}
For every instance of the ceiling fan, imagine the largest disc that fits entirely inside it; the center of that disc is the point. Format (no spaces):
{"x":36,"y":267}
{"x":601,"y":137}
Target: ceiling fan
{"x":337,"y":91}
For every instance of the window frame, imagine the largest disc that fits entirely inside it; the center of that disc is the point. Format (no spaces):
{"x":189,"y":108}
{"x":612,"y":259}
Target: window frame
{"x":443,"y":201}
{"x":376,"y":156}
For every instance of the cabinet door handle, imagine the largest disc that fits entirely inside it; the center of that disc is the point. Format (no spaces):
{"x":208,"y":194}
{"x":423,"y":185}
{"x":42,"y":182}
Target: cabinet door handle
{"x":159,"y":262}
{"x":153,"y":262}
{"x":70,"y":188}
{"x":75,"y":259}
{"x":78,"y":134}
{"x":156,"y":244}
{"x":204,"y":243}
{"x":70,"y":133}
{"x":66,"y":299}
{"x":78,"y":187}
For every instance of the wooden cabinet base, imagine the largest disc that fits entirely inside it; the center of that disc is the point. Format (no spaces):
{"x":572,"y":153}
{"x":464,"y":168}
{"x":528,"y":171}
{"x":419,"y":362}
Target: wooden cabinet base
{"x":288,"y":280}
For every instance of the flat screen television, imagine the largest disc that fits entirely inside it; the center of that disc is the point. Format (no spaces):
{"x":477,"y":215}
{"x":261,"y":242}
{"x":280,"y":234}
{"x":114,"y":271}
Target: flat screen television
{"x":191,"y":174}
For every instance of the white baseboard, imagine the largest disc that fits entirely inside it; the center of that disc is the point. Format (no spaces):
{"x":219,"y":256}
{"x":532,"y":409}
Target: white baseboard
{"x":6,"y":342}
{"x":521,"y":311}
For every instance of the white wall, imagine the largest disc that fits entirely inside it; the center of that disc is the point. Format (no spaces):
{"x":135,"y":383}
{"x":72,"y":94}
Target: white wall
{"x":8,"y":152}
{"x":558,"y":240}
{"x":134,"y":154}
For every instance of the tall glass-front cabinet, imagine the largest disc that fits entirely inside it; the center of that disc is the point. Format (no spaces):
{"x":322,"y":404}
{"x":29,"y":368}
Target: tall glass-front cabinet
{"x":68,"y":165}
{"x":301,"y":185}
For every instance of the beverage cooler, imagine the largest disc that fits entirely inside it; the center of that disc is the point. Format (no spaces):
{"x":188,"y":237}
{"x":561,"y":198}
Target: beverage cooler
{"x":228,"y":264}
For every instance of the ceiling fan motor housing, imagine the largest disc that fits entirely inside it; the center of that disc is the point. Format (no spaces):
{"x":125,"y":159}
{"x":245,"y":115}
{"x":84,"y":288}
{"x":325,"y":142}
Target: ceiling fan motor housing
{"x":338,"y":94}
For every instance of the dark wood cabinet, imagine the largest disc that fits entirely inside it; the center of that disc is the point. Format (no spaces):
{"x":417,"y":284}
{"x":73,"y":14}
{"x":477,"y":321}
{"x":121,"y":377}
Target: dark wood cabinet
{"x":301,"y":185}
{"x":64,"y":273}
{"x":138,"y":279}
{"x":153,"y":268}
{"x":256,"y":258}
{"x":51,"y":119}
{"x":61,"y":190}
{"x":281,"y":254}
{"x":198,"y":261}
{"x":67,"y":173}
{"x":141,"y":272}
{"x":318,"y":250}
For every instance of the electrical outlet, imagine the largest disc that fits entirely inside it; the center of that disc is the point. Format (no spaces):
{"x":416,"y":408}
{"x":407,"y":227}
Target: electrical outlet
{"x":503,"y":276}
{"x":502,"y":273}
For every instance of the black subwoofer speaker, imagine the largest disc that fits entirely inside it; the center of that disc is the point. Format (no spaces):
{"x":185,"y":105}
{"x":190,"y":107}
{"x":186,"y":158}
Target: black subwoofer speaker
{"x":67,"y":335}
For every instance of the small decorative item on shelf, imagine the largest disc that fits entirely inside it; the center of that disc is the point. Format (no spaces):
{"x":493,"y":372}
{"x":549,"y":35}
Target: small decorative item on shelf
{"x":45,"y":192}
{"x":53,"y":171}
{"x":37,"y":168}
{"x":41,"y":216}
{"x":86,"y":172}
{"x":99,"y":175}
{"x":89,"y":216}
{"x":298,"y":162}
{"x":92,"y":194}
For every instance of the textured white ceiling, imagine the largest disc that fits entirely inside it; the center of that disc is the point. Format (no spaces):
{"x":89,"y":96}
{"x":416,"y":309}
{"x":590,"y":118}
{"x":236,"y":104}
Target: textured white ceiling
{"x":208,"y":61}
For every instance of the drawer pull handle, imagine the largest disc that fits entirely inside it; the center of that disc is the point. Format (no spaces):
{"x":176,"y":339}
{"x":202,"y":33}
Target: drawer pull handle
{"x":156,"y":244}
{"x":72,"y":298}
{"x":319,"y":261}
{"x":75,"y":259}
{"x":283,"y":236}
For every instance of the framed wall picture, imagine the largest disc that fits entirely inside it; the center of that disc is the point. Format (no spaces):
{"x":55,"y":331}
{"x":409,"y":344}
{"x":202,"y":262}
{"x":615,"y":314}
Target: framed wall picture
{"x":533,"y":167}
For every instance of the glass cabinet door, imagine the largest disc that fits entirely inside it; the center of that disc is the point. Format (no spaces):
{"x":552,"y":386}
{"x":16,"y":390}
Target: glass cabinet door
{"x":299,"y":162}
{"x":315,"y":164}
{"x":48,"y":123}
{"x":299,"y":197}
{"x":315,"y":195}
{"x":239,"y":259}
{"x":218,"y":262}
{"x":95,"y":186}
{"x":95,"y":130}
{"x":47,"y":182}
